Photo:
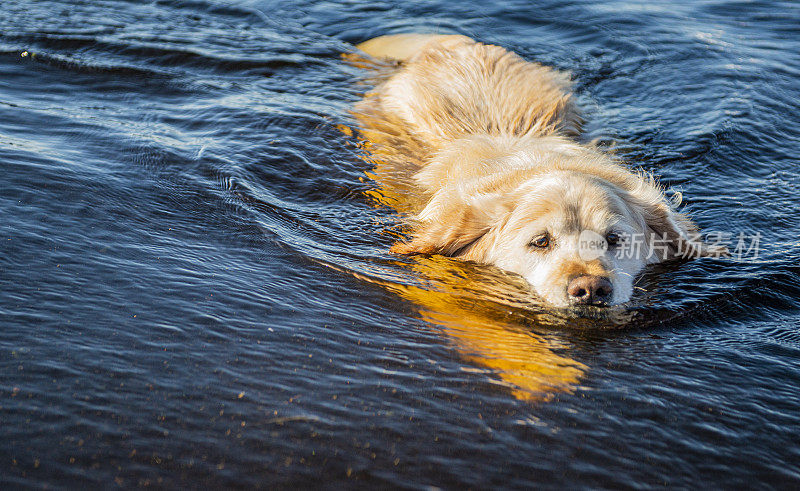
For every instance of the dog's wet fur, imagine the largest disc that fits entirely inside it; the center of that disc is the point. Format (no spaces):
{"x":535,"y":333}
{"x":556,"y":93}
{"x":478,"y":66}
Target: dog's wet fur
{"x":492,"y":139}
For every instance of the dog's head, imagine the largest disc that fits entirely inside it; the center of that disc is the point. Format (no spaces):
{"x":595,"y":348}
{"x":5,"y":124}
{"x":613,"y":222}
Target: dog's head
{"x":577,"y":237}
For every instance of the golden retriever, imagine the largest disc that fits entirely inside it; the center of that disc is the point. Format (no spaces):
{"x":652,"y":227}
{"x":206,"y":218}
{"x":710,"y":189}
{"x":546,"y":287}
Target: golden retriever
{"x":492,"y":139}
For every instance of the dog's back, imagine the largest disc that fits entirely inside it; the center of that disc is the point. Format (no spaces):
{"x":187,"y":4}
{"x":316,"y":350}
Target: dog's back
{"x":449,"y":87}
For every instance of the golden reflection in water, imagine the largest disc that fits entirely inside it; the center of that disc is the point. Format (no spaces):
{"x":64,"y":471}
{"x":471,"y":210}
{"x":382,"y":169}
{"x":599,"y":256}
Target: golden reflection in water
{"x":486,"y":317}
{"x":486,"y":313}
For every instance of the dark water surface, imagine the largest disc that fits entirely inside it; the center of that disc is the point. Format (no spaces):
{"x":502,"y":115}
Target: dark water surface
{"x":196,"y":287}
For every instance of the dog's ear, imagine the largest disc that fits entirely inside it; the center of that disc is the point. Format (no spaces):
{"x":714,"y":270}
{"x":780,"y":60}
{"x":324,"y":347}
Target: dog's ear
{"x":450,"y":224}
{"x":670,"y":235}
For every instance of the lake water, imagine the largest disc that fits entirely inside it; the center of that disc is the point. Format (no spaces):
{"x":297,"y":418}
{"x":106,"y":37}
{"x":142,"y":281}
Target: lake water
{"x":195,"y":287}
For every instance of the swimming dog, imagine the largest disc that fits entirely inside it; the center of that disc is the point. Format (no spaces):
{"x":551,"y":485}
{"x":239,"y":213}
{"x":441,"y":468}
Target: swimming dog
{"x":493,"y":142}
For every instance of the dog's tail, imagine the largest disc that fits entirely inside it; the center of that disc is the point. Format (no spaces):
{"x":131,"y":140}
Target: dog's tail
{"x":401,"y":47}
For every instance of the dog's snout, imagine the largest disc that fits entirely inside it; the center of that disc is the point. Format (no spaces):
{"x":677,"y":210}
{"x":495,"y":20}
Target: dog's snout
{"x":590,"y":290}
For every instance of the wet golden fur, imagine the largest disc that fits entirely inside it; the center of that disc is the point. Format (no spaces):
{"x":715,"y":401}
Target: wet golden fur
{"x":492,"y":140}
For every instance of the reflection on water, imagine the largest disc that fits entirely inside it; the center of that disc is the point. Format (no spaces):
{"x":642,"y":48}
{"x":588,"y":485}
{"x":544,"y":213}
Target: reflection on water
{"x":477,"y":311}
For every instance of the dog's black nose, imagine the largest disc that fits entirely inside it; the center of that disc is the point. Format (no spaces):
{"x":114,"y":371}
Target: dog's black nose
{"x":590,"y":290}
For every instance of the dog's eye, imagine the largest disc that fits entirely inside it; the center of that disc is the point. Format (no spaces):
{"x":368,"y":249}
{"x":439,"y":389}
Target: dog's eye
{"x":612,"y":238}
{"x":541,"y":242}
